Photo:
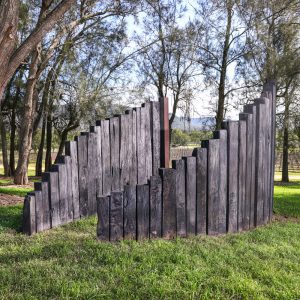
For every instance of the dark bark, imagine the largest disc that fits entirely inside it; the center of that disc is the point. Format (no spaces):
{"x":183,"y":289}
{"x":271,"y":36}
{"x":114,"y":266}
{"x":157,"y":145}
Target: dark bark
{"x":4,"y":146}
{"x":39,"y":158}
{"x":48,"y":159}
{"x":221,"y":89}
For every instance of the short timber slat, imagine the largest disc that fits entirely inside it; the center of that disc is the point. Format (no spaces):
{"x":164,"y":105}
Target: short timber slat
{"x":29,"y":218}
{"x":98,"y":162}
{"x":251,"y":109}
{"x":140,"y":120}
{"x":201,"y":187}
{"x":39,"y":213}
{"x":213,"y":183}
{"x":53,"y":192}
{"x":181,"y":209}
{"x":62,"y":190}
{"x":71,"y":150}
{"x":106,"y":167}
{"x":142,"y":203}
{"x":169,"y":203}
{"x":133,"y":163}
{"x":155,"y":197}
{"x":116,"y":216}
{"x":43,"y":186}
{"x":190,"y":188}
{"x":114,"y":129}
{"x":242,"y":175}
{"x":82,"y":174}
{"x":155,"y":126}
{"x":103,"y":218}
{"x":222,"y":136}
{"x":129,"y":201}
{"x":68,"y":163}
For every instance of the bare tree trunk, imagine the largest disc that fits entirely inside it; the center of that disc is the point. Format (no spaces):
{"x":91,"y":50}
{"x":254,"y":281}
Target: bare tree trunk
{"x":13,"y":136}
{"x":10,"y":57}
{"x":221,"y":90}
{"x":4,"y":147}
{"x":39,"y":159}
{"x":25,"y":139}
{"x":48,"y":160}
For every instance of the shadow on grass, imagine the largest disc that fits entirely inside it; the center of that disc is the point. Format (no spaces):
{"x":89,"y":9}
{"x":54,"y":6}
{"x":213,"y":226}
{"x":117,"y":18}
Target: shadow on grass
{"x":11,"y":217}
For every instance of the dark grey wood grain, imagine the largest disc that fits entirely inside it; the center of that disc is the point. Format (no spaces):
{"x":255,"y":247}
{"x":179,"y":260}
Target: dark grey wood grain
{"x":82,"y":153}
{"x":68,"y":163}
{"x":201,"y":188}
{"x":103,"y":218}
{"x":251,"y":109}
{"x":213,"y":184}
{"x":181,"y":209}
{"x":169,"y":202}
{"x":114,"y":128}
{"x":141,"y":178}
{"x":106,"y":166}
{"x":92,"y":172}
{"x":242,"y":175}
{"x":29,"y":216}
{"x":116,"y":216}
{"x":190,"y":184}
{"x":222,"y":136}
{"x":232,"y":128}
{"x":130,"y":212}
{"x":124,"y":150}
{"x":39,"y":209}
{"x":130,"y":152}
{"x":259,"y":166}
{"x":43,"y":187}
{"x":148,"y":140}
{"x":71,"y":150}
{"x":133,"y":163}
{"x":155,"y":125}
{"x":53,"y":192}
{"x":248,"y":171}
{"x":142,"y":202}
{"x":98,"y":162}
{"x":155,"y":206}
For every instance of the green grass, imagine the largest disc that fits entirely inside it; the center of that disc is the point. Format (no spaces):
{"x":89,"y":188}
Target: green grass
{"x":69,"y":263}
{"x":15,"y":191}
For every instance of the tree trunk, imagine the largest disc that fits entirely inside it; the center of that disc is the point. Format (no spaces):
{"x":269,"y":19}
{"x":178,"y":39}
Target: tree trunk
{"x":221,"y":89}
{"x":39,"y":159}
{"x":4,"y":147}
{"x":10,"y":56}
{"x":48,"y":160}
{"x":285,"y":148}
{"x":13,"y":136}
{"x":25,"y":139}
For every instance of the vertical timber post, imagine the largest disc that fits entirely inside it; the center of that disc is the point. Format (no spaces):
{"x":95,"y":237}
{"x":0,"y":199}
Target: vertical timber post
{"x":164,"y":133}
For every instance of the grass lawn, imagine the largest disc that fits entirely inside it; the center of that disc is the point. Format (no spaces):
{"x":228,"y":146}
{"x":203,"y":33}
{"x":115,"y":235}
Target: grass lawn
{"x":68,"y":262}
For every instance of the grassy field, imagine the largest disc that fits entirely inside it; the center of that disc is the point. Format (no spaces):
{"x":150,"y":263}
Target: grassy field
{"x":68,"y":262}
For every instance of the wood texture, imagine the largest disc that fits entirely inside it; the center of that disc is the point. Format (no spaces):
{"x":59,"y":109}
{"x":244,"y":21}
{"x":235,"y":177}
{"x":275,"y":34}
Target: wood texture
{"x":201,"y":188}
{"x":181,"y":209}
{"x":124,"y":150}
{"x":232,"y":128}
{"x":169,"y":202}
{"x":222,"y":136}
{"x":190,"y":187}
{"x":29,"y":216}
{"x":106,"y":166}
{"x":130,"y":212}
{"x":155,"y":114}
{"x":114,"y":129}
{"x":98,"y":162}
{"x":148,"y":140}
{"x":116,"y":216}
{"x":213,"y":184}
{"x":155,"y":206}
{"x":71,"y":150}
{"x":140,"y":113}
{"x":142,"y":202}
{"x":133,"y":141}
{"x":82,"y":174}
{"x":103,"y":218}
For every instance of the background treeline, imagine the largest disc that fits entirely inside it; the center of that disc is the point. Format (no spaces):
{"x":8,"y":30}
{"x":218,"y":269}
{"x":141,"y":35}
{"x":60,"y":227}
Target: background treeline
{"x":67,"y":63}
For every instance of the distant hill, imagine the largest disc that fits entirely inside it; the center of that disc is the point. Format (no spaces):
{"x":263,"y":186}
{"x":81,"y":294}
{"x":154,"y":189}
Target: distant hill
{"x":200,"y":123}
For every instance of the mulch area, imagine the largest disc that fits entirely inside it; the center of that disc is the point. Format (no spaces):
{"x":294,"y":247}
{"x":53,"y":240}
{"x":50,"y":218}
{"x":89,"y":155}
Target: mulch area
{"x":10,"y":199}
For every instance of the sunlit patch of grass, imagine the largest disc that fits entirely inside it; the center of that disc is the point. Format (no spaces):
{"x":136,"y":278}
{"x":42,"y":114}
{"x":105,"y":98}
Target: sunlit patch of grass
{"x":17,"y":191}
